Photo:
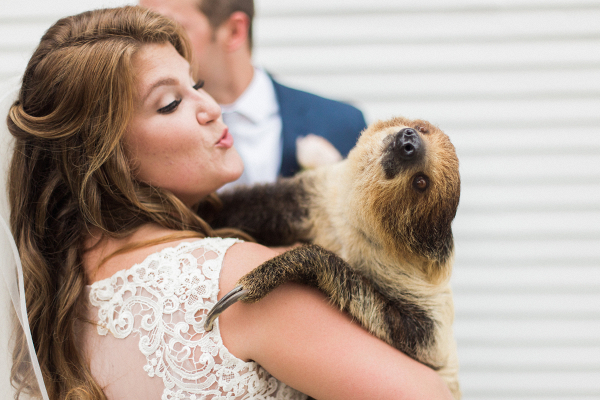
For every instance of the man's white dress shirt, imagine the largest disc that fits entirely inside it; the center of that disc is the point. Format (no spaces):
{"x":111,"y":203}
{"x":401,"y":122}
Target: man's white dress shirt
{"x":255,"y":124}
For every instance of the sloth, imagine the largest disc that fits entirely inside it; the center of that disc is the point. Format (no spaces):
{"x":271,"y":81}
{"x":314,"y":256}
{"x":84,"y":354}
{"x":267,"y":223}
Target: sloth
{"x":377,"y":228}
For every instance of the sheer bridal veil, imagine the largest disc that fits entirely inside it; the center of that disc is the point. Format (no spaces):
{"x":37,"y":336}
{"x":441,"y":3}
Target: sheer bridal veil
{"x":13,"y":313}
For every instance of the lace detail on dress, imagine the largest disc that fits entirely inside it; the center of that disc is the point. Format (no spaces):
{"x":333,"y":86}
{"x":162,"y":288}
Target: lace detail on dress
{"x":164,"y":300}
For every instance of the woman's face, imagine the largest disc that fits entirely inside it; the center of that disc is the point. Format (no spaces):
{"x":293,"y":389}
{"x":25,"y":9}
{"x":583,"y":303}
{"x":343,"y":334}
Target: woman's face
{"x":176,"y":139}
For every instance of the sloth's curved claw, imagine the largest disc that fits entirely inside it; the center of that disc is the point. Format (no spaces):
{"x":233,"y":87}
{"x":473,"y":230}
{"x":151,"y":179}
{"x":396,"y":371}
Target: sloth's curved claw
{"x":230,"y":298}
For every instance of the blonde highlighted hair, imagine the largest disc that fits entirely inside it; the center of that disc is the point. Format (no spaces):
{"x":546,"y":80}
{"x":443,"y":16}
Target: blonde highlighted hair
{"x":69,"y":175}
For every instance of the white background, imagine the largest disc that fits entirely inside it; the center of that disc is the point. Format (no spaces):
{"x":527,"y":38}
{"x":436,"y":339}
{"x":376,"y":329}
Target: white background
{"x":516,"y":86}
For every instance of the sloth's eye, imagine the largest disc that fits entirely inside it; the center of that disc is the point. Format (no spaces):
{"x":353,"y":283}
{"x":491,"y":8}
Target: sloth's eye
{"x":420,"y":182}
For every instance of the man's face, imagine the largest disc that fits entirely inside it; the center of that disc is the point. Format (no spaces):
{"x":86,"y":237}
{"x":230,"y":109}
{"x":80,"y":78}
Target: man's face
{"x":206,"y":51}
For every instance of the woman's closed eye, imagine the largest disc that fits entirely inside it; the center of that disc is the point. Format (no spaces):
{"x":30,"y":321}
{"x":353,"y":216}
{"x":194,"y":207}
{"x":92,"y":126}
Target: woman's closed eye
{"x":169,"y":108}
{"x":172,"y":106}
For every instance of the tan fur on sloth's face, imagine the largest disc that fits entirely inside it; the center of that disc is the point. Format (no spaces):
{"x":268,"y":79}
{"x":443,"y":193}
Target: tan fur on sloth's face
{"x":409,"y":203}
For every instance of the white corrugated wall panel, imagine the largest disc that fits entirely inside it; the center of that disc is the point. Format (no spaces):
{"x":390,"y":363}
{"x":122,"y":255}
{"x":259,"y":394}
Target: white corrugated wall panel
{"x":23,"y":22}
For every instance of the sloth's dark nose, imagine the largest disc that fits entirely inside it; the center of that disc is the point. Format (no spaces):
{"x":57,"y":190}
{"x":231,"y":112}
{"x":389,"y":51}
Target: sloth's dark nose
{"x":408,"y":144}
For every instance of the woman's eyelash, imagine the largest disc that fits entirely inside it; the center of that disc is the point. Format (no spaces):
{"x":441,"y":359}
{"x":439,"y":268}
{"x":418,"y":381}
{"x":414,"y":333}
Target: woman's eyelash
{"x":198,"y":85}
{"x":170,"y":107}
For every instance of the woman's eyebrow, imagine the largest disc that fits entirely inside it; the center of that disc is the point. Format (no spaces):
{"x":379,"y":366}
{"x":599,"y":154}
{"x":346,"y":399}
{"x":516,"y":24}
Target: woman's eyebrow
{"x":160,"y":82}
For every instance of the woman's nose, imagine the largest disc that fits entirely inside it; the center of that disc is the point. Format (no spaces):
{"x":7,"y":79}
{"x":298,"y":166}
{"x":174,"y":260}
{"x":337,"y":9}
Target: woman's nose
{"x":208,"y":109}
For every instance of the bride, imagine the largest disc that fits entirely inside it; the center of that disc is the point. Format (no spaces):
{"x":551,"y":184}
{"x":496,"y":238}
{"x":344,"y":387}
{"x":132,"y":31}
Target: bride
{"x":114,"y":148}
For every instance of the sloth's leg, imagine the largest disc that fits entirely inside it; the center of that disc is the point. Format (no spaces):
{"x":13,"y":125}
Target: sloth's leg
{"x":274,"y":214}
{"x":400,"y":322}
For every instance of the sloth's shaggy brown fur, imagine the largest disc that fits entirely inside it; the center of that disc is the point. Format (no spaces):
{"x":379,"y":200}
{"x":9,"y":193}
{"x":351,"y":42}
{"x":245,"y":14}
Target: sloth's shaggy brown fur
{"x":385,"y":220}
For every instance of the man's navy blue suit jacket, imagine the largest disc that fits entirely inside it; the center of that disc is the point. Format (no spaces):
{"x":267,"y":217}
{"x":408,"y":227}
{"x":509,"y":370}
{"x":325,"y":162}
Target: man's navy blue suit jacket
{"x":303,"y":113}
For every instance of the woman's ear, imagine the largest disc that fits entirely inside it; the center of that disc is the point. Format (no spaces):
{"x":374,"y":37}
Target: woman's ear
{"x":237,"y":29}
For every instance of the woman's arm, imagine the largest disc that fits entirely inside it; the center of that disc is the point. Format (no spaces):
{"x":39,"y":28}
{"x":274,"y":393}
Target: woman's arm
{"x":302,"y":340}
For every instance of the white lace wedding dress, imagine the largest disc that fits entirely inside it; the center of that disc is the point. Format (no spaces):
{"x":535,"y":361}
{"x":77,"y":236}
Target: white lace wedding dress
{"x":148,"y":340}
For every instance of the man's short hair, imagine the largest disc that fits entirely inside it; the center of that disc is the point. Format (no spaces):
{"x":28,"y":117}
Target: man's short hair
{"x":218,"y":11}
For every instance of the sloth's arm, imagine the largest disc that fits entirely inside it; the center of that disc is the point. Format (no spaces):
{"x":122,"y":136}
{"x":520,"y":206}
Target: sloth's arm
{"x":399,"y":322}
{"x":274,"y":214}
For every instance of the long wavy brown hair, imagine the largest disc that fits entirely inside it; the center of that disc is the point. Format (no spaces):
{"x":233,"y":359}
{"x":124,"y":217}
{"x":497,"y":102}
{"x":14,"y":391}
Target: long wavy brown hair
{"x":69,"y":175}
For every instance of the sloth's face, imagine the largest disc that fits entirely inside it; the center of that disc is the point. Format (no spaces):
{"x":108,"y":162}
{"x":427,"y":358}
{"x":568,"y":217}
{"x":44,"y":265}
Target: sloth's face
{"x":408,"y":172}
{"x":404,"y":150}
